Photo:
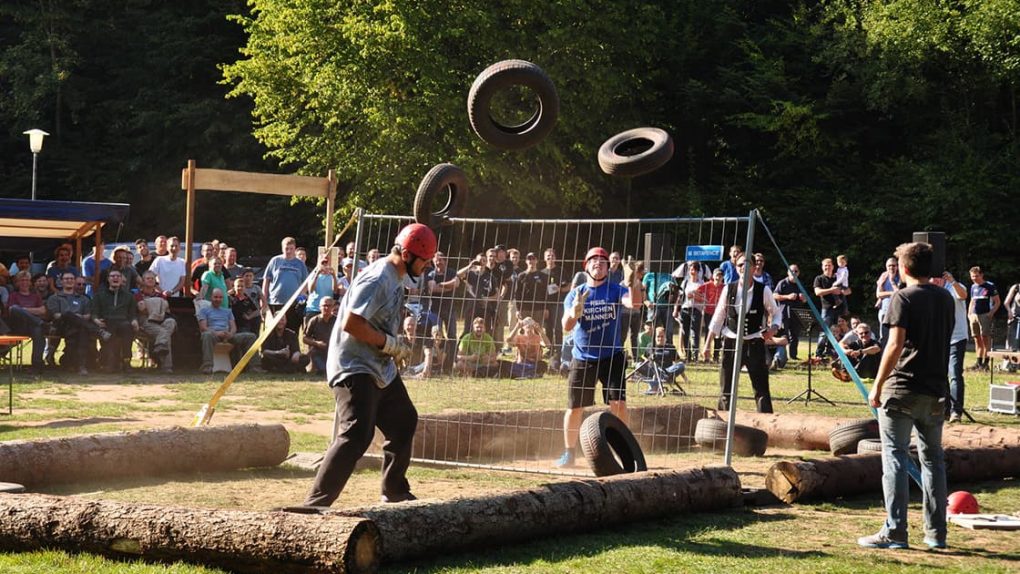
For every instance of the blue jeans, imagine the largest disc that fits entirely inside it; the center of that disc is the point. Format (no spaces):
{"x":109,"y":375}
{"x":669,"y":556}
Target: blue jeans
{"x":896,"y":417}
{"x":956,"y":386}
{"x":830,"y":317}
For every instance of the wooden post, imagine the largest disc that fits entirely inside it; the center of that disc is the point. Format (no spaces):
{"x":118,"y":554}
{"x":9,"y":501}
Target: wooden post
{"x":331,"y":185}
{"x":98,"y":256}
{"x":189,"y":222}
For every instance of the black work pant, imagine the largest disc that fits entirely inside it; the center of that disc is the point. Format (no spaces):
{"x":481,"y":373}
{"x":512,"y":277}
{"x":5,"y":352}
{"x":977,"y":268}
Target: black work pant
{"x":754,"y":359}
{"x":363,"y":406}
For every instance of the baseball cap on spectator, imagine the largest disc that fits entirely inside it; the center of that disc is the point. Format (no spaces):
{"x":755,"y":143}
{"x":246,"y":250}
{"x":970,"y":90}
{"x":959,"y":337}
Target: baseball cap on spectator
{"x":531,"y":255}
{"x":500,"y":247}
{"x":347,"y":261}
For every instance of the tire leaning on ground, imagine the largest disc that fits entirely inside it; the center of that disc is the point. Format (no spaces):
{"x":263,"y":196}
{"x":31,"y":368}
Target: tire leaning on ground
{"x":609,"y":446}
{"x":635,"y":152}
{"x":500,"y":76}
{"x":875,"y":445}
{"x":843,"y":438}
{"x":442,"y":178}
{"x":747,"y":441}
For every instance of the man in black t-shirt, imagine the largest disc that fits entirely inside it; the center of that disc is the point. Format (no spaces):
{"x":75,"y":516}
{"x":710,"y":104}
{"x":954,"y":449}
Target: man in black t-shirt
{"x":909,"y":393}
{"x":788,"y":295}
{"x":833,"y":302}
{"x":441,"y":285}
{"x":483,"y":280}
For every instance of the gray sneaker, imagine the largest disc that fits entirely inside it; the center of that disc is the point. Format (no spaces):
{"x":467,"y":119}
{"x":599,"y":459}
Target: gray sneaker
{"x":882,"y":541}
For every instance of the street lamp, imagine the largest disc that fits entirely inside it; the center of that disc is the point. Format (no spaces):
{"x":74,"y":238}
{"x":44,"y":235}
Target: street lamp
{"x":35,"y":139}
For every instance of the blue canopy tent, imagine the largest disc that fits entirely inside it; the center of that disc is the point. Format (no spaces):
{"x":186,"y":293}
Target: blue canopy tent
{"x":42,"y":225}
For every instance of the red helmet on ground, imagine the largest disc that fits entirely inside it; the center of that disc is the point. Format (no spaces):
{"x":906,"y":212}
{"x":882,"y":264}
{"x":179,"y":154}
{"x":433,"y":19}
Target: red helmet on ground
{"x":595,"y":252}
{"x":962,"y":502}
{"x":418,"y":240}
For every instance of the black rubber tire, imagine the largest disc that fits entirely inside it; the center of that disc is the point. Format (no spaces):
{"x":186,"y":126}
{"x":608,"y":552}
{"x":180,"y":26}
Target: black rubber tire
{"x":747,"y":441}
{"x":614,"y":161}
{"x":875,"y":445}
{"x":436,"y":182}
{"x":844,"y":437}
{"x":609,"y":446}
{"x":502,"y":75}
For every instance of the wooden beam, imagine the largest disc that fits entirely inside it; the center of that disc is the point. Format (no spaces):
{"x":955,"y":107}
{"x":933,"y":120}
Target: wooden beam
{"x":330,"y":206}
{"x":189,"y":222}
{"x":228,"y":180}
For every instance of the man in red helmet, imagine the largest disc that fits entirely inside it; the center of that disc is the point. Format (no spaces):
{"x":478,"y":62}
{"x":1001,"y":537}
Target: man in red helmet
{"x":593,"y":312}
{"x":361,"y":371}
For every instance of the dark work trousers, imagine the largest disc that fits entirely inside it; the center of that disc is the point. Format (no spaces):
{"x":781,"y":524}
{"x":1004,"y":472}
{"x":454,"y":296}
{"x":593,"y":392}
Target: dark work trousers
{"x":118,"y":349}
{"x":792,"y":326}
{"x":631,"y":327}
{"x":754,"y":359}
{"x":362,"y":407}
{"x":554,"y":329}
{"x":79,"y":336}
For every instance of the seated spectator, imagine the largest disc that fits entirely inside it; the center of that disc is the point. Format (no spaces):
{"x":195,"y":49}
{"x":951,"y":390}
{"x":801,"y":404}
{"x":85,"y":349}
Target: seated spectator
{"x":71,"y":312}
{"x":661,"y":356}
{"x":419,"y":364}
{"x":213,"y":278}
{"x":476,"y":351}
{"x":245,"y":309}
{"x":156,"y":323}
{"x":777,"y":350}
{"x":88,"y":267}
{"x":254,"y":293}
{"x":61,"y":264}
{"x":281,"y":352}
{"x":27,"y":313}
{"x":865,"y":353}
{"x":115,"y":313}
{"x":646,"y":338}
{"x":217,"y":325}
{"x":317,"y":333}
{"x":527,"y":340}
{"x":41,"y":285}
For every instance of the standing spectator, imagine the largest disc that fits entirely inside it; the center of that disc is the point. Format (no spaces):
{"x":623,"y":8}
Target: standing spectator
{"x":689,"y":311}
{"x":887,"y":285}
{"x":908,"y":391}
{"x":302,"y":254}
{"x":285,"y":275}
{"x":633,"y":319}
{"x":592,"y":316}
{"x":762,"y":322}
{"x":145,"y":257}
{"x":1013,"y":318}
{"x":324,"y":285}
{"x":760,"y":274}
{"x":984,"y":302}
{"x":729,"y":268}
{"x":505,"y":270}
{"x":351,"y":252}
{"x":170,"y":270}
{"x":212,"y":278}
{"x":441,"y":283}
{"x":61,"y":264}
{"x":88,"y":267}
{"x":711,"y":291}
{"x":833,"y":303}
{"x":317,"y":333}
{"x":482,"y":278}
{"x":662,"y":293}
{"x":71,"y":312}
{"x":217,"y":325}
{"x":529,"y":291}
{"x":789,"y":295}
{"x":162,"y":245}
{"x":281,"y":352}
{"x":201,"y":265}
{"x":557,"y":285}
{"x":27,"y":313}
{"x":155,"y":322}
{"x":121,"y":262}
{"x":116,"y":314}
{"x":361,"y":371}
{"x":231,"y":269}
{"x":957,"y":347}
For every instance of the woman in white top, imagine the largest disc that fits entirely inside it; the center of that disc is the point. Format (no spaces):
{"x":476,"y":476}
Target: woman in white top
{"x":689,"y":311}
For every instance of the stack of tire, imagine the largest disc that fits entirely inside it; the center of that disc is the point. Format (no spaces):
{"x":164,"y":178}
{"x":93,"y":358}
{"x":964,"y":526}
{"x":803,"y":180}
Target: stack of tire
{"x":844,"y":438}
{"x":747,"y":441}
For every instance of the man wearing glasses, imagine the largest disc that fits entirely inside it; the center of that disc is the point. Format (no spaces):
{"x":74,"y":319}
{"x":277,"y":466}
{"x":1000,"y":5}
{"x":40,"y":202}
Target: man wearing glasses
{"x":788,"y":295}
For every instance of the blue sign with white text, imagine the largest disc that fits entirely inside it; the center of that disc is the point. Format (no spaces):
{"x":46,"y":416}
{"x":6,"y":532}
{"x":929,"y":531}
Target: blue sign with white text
{"x":704,"y":253}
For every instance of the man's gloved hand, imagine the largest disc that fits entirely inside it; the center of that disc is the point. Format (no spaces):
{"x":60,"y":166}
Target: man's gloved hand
{"x":396,"y":348}
{"x":577,"y":311}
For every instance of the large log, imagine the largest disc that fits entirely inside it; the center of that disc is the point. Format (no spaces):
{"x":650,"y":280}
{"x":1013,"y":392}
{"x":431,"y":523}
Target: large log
{"x":427,"y":528}
{"x":35,"y":463}
{"x":511,"y":435}
{"x":811,"y":432}
{"x":234,"y":540}
{"x":835,"y":477}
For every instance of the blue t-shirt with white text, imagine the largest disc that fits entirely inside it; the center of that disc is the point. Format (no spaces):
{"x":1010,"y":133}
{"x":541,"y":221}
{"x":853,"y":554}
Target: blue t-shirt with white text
{"x":597,"y":332}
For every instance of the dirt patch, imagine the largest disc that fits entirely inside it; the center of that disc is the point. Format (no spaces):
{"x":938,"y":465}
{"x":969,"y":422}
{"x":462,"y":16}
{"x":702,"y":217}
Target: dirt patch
{"x":105,"y":393}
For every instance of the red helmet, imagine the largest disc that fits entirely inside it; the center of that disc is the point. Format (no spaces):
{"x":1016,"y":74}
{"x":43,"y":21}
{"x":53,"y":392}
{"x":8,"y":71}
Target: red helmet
{"x":418,"y":240}
{"x":962,"y":502}
{"x":595,"y":252}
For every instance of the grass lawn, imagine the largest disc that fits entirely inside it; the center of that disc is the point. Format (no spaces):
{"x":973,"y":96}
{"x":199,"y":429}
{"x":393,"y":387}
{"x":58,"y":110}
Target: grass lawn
{"x":801,"y":538}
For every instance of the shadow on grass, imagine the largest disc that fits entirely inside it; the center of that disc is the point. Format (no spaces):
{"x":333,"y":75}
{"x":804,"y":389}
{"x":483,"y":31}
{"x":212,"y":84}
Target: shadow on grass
{"x":687,"y":534}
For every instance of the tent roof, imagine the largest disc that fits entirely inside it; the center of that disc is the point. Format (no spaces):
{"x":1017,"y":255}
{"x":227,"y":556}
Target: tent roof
{"x":30,"y":225}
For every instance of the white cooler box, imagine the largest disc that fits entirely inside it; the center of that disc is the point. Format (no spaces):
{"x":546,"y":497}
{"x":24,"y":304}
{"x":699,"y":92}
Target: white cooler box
{"x":1003,"y":398}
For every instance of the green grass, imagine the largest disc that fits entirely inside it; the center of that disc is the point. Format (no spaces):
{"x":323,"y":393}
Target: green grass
{"x":803,"y":538}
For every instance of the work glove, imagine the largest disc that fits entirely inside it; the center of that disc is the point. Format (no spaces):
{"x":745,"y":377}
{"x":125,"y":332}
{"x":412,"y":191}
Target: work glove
{"x":577,"y":311}
{"x":396,"y":348}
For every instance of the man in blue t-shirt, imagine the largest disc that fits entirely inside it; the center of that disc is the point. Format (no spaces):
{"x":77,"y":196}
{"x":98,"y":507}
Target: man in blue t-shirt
{"x":284,"y":275}
{"x":592,"y":313}
{"x":984,"y":302}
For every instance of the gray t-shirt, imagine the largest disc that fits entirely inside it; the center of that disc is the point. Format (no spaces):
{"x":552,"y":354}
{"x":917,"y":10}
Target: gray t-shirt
{"x":377,"y":295}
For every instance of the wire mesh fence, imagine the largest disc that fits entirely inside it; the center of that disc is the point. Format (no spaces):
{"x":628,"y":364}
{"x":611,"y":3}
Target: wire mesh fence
{"x":491,"y":367}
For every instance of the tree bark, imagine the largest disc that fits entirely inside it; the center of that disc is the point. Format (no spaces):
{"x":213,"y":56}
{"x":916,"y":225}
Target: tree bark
{"x":428,"y":528}
{"x":510,"y":435}
{"x":35,"y":463}
{"x":235,"y":540}
{"x":811,"y":432}
{"x":835,"y":477}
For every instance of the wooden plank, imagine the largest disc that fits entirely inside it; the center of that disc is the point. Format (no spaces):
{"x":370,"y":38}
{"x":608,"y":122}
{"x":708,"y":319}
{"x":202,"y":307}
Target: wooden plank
{"x":228,"y":180}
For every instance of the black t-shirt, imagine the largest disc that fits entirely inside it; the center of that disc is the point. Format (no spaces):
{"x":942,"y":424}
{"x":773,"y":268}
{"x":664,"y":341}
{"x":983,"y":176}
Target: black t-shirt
{"x":529,"y":292}
{"x":275,"y":342}
{"x":240,"y":307}
{"x":561,"y":278}
{"x":319,"y":330}
{"x":927,"y":314}
{"x":439,"y":303}
{"x":867,"y":365}
{"x":832,"y":300}
{"x":484,"y":283}
{"x":787,"y":287}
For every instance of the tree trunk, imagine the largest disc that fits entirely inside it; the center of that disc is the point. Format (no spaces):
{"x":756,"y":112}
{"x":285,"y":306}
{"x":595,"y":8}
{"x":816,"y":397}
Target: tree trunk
{"x":511,"y":435}
{"x":811,"y":432}
{"x":429,"y":528}
{"x":234,"y":540}
{"x":35,"y":463}
{"x":830,"y":478}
